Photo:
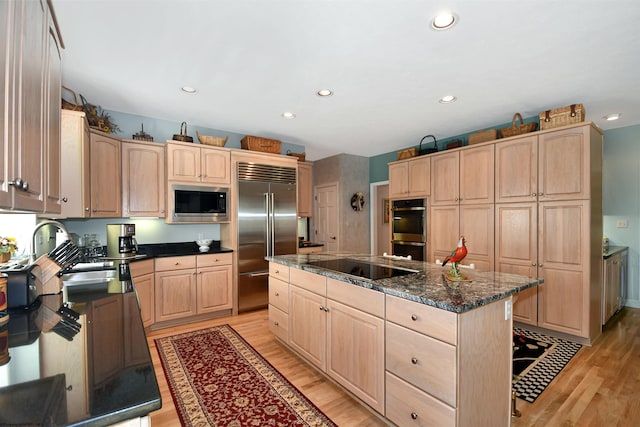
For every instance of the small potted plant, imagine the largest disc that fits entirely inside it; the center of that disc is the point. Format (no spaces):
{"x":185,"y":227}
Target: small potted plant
{"x":8,"y":246}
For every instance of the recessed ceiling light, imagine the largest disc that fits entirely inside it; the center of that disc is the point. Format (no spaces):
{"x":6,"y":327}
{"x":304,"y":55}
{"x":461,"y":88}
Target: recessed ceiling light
{"x":288,"y":115}
{"x":324,"y":92}
{"x":448,"y":99}
{"x":443,"y":21}
{"x":614,"y":116}
{"x":188,"y":89}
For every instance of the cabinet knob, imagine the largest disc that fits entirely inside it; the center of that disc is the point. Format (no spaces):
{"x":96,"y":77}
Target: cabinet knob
{"x":533,"y":264}
{"x":19,"y":184}
{"x":65,"y":200}
{"x":539,"y":265}
{"x":86,"y":209}
{"x":414,"y":360}
{"x":276,"y":323}
{"x":534,"y":194}
{"x":414,"y":317}
{"x":414,"y":416}
{"x":177,"y":263}
{"x":540,"y":194}
{"x":277,"y":271}
{"x":277,"y":294}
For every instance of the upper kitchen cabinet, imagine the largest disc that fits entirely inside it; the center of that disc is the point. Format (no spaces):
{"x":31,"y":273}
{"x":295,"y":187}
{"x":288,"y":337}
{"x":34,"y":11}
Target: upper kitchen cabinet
{"x":463,"y":176}
{"x":106,"y":175}
{"x":410,"y":178}
{"x":30,"y":78}
{"x":187,"y":162}
{"x":305,"y":189}
{"x":143,"y":179}
{"x":76,"y":173}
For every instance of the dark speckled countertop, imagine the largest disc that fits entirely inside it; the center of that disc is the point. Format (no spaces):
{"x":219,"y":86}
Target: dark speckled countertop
{"x":427,"y":285}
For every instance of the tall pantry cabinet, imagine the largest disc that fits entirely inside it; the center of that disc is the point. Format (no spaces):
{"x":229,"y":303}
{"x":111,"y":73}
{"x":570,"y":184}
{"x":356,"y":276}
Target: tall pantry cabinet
{"x":549,"y":225}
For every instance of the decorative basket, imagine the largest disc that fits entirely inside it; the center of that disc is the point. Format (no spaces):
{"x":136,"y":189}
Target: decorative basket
{"x":75,"y":105}
{"x":520,"y":129}
{"x":256,"y":143}
{"x":301,"y":156}
{"x":423,"y":151}
{"x":216,"y":141}
{"x":408,"y":153}
{"x":455,"y":144}
{"x":563,"y":116}
{"x":483,"y":136}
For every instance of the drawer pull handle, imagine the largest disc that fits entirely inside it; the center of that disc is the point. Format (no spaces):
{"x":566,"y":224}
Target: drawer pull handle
{"x":414,"y":317}
{"x":414,"y":416}
{"x":275,"y":323}
{"x":277,"y":294}
{"x":414,"y":360}
{"x":277,"y":271}
{"x":177,"y":263}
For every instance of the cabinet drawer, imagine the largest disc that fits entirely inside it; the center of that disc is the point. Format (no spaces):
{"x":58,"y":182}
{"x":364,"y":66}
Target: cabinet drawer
{"x":140,"y":268}
{"x":279,"y":323}
{"x":279,"y":271}
{"x":175,"y":263}
{"x":355,"y":296}
{"x":435,"y":322}
{"x":309,"y":281}
{"x":279,"y":294}
{"x":409,"y":406}
{"x":212,"y":260}
{"x":427,"y":363}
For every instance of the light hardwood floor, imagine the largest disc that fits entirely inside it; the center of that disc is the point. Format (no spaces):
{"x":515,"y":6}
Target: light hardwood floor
{"x":599,"y":387}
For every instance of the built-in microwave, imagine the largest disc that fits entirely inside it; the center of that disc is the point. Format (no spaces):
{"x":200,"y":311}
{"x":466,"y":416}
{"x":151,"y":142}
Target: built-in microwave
{"x":198,"y":204}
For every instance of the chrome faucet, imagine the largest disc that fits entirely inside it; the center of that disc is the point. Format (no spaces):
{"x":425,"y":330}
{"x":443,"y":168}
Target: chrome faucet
{"x":58,"y":224}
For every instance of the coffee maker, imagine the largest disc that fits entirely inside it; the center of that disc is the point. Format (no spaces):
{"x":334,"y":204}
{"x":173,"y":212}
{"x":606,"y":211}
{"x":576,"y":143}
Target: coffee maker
{"x":121,"y":241}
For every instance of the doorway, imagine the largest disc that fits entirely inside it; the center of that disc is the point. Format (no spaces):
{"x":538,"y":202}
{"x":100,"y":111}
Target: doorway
{"x":326,"y":218}
{"x":380,"y":224}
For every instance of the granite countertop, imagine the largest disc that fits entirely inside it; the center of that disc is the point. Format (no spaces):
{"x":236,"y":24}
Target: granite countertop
{"x":427,"y":285}
{"x":612,"y":250}
{"x":85,"y":347}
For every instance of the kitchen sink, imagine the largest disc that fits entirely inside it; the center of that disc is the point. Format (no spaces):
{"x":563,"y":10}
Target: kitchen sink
{"x":88,"y":277}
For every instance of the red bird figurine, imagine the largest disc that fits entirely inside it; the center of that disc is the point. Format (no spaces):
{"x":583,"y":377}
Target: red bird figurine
{"x":456,"y":256}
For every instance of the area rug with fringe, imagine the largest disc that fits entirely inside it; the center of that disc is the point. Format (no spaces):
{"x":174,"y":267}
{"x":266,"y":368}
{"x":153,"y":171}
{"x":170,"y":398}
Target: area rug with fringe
{"x":537,"y":360}
{"x":217,"y":379}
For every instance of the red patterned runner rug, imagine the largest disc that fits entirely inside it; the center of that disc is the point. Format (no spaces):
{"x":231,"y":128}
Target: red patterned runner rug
{"x":217,"y":379}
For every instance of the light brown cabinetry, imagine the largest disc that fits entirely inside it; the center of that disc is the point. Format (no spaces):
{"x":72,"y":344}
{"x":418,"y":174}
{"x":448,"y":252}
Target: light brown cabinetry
{"x":30,"y":92}
{"x":279,"y":301}
{"x":143,"y":179}
{"x":187,"y":286}
{"x":106,"y":175}
{"x":614,"y":285}
{"x":410,"y":178}
{"x":305,"y":189}
{"x":105,"y":338}
{"x":437,"y":371}
{"x":76,"y":163}
{"x":549,"y":225}
{"x":200,"y":164}
{"x":142,"y":274}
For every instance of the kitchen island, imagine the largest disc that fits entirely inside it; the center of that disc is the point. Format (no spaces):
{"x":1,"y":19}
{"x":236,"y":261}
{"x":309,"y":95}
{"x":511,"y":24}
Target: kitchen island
{"x":76,"y":358}
{"x":411,"y":345}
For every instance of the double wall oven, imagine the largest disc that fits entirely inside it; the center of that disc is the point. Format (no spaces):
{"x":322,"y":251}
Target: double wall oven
{"x":409,"y":228}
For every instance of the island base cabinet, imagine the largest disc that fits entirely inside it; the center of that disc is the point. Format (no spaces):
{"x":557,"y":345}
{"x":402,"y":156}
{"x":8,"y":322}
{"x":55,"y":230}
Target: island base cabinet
{"x":308,"y":325}
{"x":410,"y":406}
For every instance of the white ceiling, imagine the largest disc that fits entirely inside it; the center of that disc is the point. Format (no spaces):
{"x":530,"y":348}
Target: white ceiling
{"x":251,"y":60}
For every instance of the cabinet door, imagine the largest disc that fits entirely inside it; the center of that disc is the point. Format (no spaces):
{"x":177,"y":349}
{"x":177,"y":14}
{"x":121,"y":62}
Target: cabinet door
{"x":445,"y":185}
{"x":53,"y":76}
{"x":29,"y":151}
{"x":611,"y":288}
{"x":516,"y":240}
{"x":419,"y":177}
{"x":75,"y":167}
{"x":7,"y":22}
{"x":175,"y":294}
{"x":563,"y":162}
{"x":305,"y":189}
{"x":214,"y":289}
{"x":135,"y":352}
{"x":477,"y":175}
{"x":563,"y":257}
{"x":105,"y":336}
{"x":215,"y":166}
{"x":398,"y":180}
{"x":106,"y":176}
{"x":183,"y":163}
{"x":516,"y":174}
{"x":145,"y":285}
{"x":477,"y":226}
{"x":444,"y":227}
{"x":308,"y":325}
{"x":143,"y":192}
{"x":356,"y":352}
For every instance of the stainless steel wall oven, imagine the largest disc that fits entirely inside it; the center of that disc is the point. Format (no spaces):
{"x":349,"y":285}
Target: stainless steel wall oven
{"x":409,"y":228}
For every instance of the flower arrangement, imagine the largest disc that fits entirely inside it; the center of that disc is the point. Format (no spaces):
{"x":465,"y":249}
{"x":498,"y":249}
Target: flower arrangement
{"x":8,"y":244}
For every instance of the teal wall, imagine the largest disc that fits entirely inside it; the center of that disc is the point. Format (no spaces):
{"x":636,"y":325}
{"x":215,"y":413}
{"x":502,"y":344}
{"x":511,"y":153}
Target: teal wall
{"x":162,"y":130}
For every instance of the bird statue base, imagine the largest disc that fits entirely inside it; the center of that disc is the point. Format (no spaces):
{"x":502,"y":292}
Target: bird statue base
{"x":454,"y":274}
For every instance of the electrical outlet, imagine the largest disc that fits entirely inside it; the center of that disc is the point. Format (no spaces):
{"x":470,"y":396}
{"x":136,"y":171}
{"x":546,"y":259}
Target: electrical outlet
{"x":507,"y":309}
{"x":622,"y":223}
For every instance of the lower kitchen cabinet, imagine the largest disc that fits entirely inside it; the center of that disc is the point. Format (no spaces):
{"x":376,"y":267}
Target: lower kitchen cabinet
{"x":142,"y":274}
{"x":308,"y":325}
{"x":615,"y":283}
{"x":105,"y":338}
{"x":214,"y":283}
{"x":279,"y":303}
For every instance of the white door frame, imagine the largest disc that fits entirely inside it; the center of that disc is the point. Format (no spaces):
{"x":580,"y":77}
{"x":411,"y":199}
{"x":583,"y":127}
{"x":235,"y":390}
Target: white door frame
{"x":374,"y":203}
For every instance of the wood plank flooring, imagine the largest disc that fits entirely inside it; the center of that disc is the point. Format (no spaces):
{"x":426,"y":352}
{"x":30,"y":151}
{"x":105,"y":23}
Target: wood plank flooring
{"x":599,"y":387}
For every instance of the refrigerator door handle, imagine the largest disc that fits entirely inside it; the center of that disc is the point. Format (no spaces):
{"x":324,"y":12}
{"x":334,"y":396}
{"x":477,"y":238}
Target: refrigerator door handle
{"x":272,"y":217}
{"x":263,"y":273}
{"x":268,"y":231}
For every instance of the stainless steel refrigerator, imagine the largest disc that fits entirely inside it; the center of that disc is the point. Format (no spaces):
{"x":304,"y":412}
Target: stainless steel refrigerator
{"x":267,"y":225}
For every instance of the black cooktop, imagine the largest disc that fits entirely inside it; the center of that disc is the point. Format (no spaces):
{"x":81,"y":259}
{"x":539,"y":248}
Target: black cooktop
{"x":359,"y":268}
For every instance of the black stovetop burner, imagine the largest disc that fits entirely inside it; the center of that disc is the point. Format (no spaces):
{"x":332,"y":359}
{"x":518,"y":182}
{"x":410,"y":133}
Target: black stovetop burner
{"x":359,"y":268}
